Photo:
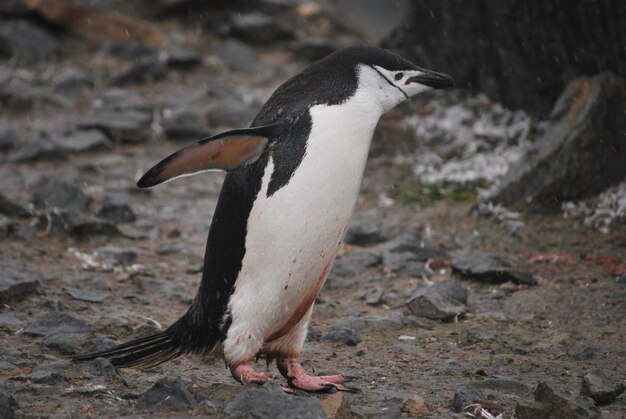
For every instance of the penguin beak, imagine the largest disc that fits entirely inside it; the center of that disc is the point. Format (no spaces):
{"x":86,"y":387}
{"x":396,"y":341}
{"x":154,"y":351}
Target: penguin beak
{"x":433,"y":79}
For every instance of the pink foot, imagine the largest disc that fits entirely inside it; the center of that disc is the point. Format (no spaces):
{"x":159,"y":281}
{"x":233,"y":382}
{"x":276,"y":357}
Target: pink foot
{"x":245,"y":374}
{"x":297,"y":378}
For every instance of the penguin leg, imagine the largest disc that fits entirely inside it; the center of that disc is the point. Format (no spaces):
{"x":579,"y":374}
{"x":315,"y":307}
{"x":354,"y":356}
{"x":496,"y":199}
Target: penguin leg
{"x":245,"y":374}
{"x":288,"y":348}
{"x":298,"y":378}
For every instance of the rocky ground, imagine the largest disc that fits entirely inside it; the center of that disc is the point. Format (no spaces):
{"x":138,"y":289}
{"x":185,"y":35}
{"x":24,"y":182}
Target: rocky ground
{"x":438,"y":305}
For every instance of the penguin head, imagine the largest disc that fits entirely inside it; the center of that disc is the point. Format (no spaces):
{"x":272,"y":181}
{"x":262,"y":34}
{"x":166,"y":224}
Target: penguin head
{"x":388,"y":78}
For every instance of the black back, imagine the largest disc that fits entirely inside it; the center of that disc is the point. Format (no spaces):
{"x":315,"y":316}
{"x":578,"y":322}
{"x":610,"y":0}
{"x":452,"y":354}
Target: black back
{"x":330,"y":81}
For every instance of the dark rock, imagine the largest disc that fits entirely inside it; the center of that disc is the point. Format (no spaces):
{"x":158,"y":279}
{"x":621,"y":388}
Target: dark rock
{"x":374,"y":296}
{"x":602,"y":388}
{"x":117,"y":209}
{"x":7,"y":366}
{"x":62,"y":195}
{"x":56,"y":322}
{"x":71,"y":79}
{"x":364,"y":233}
{"x":552,"y":403}
{"x":117,"y":255}
{"x":313,"y":49}
{"x":38,"y":149}
{"x":436,"y":34}
{"x":129,"y":51}
{"x":236,"y":55}
{"x":123,"y":125}
{"x":166,"y":394}
{"x":58,"y":220}
{"x":466,"y":396}
{"x":490,"y":268}
{"x":586,"y":353}
{"x":8,"y":405}
{"x":86,"y":227}
{"x":14,"y":291}
{"x":480,"y":335}
{"x":405,"y":243}
{"x":183,"y":59}
{"x":169,"y":248}
{"x":356,"y":263}
{"x":67,"y":343}
{"x":262,"y":403}
{"x":230,"y":110}
{"x":406,"y":263}
{"x":9,"y":138}
{"x":358,"y":323}
{"x":23,"y":40}
{"x":14,"y":7}
{"x":9,"y":320}
{"x":259,"y":28}
{"x":83,"y":140}
{"x":371,"y":19}
{"x":438,"y":302}
{"x":184,"y":125}
{"x":102,"y":367}
{"x":621,"y":279}
{"x":92,"y":296}
{"x":148,"y":69}
{"x":580,"y":154}
{"x":49,"y":375}
{"x":13,"y":209}
{"x":343,"y":335}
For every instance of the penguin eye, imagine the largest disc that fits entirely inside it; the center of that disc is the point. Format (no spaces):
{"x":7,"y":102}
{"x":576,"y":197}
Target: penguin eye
{"x":398,"y":76}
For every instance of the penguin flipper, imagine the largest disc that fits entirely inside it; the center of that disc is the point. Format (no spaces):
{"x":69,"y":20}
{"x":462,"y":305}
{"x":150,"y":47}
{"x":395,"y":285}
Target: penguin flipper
{"x":226,"y":151}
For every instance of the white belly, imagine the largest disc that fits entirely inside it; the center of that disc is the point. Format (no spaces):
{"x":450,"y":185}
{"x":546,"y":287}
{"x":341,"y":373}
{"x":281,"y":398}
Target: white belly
{"x":293,"y":235}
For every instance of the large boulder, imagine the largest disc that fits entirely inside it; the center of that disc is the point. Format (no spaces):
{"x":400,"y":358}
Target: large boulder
{"x":582,"y":151}
{"x":521,"y":53}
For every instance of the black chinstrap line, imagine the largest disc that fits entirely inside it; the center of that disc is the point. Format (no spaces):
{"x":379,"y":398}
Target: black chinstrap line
{"x":389,"y":81}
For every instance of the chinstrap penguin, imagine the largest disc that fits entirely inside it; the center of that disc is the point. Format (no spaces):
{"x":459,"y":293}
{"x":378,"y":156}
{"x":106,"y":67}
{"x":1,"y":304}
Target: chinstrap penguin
{"x":292,"y":183}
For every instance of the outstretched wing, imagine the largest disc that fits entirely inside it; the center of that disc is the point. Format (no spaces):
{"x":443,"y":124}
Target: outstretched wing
{"x":226,"y":151}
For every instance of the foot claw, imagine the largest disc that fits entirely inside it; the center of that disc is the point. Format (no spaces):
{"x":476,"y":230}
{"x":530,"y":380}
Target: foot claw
{"x":245,"y":374}
{"x":297,"y":378}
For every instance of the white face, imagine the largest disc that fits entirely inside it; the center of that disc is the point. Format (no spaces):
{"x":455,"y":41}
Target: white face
{"x":390,"y":87}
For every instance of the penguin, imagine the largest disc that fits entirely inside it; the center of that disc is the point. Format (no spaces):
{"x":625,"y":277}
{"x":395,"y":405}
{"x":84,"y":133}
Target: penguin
{"x":292,"y":182}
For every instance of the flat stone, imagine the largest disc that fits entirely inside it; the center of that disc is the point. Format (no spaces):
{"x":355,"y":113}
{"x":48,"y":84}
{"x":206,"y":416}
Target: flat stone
{"x":8,"y":404}
{"x":602,"y":388}
{"x":26,"y":41}
{"x":337,"y":406}
{"x":83,"y":140}
{"x":117,"y":209}
{"x":343,"y":335}
{"x":131,"y":51}
{"x":466,"y":396}
{"x":92,"y":296}
{"x":438,"y":302}
{"x":374,"y":296}
{"x":621,"y":279}
{"x":166,"y":395}
{"x":480,"y":334}
{"x":63,"y":195}
{"x":9,"y":138}
{"x":257,"y":27}
{"x":553,"y":403}
{"x":37,"y":149}
{"x":70,"y":80}
{"x":313,"y":48}
{"x":139,"y":72}
{"x":356,"y":263}
{"x":67,"y":343}
{"x":490,"y":268}
{"x":182,"y":59}
{"x":86,"y":227}
{"x":392,"y":321}
{"x":184,"y":125}
{"x":235,"y":54}
{"x":169,"y":248}
{"x":263,"y":403}
{"x":10,"y":320}
{"x":14,"y":291}
{"x":364,"y":233}
{"x":117,"y":255}
{"x":55,"y":322}
{"x":122,"y":125}
{"x":13,"y":209}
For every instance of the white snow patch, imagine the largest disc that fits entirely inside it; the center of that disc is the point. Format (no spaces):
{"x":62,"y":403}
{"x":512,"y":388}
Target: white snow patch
{"x":601,"y":211}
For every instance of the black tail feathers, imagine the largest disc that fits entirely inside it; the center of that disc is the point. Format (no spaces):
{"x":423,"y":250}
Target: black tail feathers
{"x":148,"y":351}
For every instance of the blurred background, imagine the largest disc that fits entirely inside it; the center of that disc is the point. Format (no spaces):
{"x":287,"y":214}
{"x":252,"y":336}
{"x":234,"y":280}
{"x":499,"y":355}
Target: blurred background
{"x":487,"y":256}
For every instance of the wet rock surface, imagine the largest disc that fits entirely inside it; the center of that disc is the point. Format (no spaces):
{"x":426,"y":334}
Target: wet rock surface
{"x":103,"y":262}
{"x":490,"y":268}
